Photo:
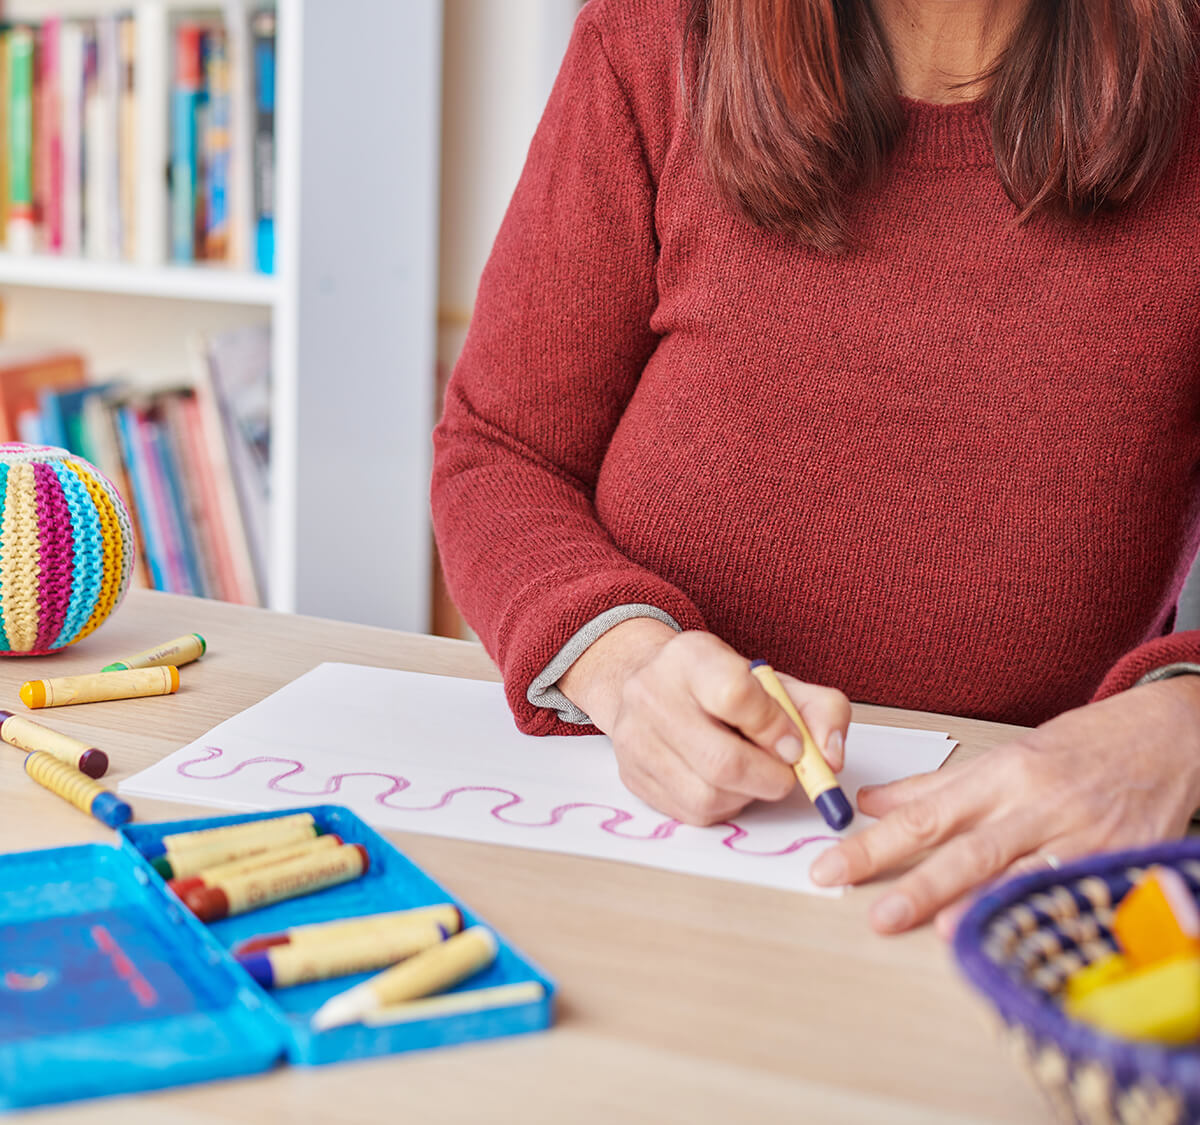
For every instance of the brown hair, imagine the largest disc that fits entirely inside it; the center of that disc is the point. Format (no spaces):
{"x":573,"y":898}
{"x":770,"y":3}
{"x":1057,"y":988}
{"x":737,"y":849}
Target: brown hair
{"x":793,"y":100}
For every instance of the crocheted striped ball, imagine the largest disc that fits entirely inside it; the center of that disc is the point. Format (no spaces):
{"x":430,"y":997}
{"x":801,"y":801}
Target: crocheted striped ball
{"x":66,"y":548}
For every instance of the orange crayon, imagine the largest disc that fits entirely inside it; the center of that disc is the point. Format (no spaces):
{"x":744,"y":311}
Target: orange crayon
{"x":97,"y":687}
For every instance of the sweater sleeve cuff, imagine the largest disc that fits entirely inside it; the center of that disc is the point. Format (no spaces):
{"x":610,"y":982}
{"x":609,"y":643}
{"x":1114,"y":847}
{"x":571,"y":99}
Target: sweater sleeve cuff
{"x":549,"y":615}
{"x":544,"y":692}
{"x":1175,"y":654}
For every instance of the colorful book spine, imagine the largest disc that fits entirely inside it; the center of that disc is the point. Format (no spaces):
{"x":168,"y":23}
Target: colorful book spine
{"x":263,"y":34}
{"x":176,"y":509}
{"x":20,"y":233}
{"x":217,"y":149}
{"x":185,"y":103}
{"x":127,"y":138}
{"x":132,"y":455}
{"x":72,"y":55}
{"x":48,"y":135}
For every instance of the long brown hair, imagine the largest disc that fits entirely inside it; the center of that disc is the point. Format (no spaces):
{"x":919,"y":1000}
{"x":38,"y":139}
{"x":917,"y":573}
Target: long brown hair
{"x":794,"y":100}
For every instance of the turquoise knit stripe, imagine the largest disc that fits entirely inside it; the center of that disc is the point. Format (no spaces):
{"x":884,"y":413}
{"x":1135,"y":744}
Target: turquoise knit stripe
{"x":89,"y":555}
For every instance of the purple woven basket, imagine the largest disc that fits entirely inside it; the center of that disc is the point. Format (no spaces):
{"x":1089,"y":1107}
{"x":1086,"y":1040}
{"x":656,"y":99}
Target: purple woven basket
{"x":1018,"y":944}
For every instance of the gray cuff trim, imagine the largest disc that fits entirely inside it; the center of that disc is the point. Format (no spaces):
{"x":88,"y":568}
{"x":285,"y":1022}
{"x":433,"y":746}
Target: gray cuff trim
{"x":1168,"y":672}
{"x":543,"y":692}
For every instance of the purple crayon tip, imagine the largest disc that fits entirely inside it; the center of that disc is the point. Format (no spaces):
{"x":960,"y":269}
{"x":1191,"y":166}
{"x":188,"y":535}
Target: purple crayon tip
{"x":5,"y":715}
{"x":92,"y":762}
{"x":258,"y":965}
{"x":834,"y":807}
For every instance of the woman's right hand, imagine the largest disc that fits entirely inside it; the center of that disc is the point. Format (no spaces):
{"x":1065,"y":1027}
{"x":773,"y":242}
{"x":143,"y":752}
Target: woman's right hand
{"x":696,"y":735}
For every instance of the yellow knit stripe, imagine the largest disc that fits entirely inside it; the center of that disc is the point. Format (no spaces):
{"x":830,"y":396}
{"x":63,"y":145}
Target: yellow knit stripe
{"x":110,"y":582}
{"x":22,"y":568}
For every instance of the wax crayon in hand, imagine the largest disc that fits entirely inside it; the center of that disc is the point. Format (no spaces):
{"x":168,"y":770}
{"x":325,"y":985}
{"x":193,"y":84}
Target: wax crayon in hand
{"x":440,"y":967}
{"x":97,"y":687}
{"x":445,"y":915}
{"x":29,"y":736}
{"x":812,"y":771}
{"x":181,"y":650}
{"x":79,"y":790}
{"x":277,"y":883}
{"x":284,"y":965}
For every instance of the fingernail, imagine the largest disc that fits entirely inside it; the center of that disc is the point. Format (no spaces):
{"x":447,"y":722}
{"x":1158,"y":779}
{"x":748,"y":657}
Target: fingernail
{"x":892,"y":912}
{"x":790,"y":749}
{"x":835,"y":748}
{"x":830,"y":869}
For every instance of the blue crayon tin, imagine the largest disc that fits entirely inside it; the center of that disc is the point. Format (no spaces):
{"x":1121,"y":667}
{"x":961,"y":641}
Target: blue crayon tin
{"x":109,"y":985}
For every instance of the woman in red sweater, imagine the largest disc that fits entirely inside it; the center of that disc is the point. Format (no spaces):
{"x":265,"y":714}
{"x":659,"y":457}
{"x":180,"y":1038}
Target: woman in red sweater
{"x":861,"y":336}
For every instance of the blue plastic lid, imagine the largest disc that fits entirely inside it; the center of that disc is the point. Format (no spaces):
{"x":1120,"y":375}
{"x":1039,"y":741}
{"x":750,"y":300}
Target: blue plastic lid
{"x":108,"y":987}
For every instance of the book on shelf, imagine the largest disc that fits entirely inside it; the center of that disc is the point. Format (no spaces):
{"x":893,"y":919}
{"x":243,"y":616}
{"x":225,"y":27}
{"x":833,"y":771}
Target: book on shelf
{"x":115,"y":125}
{"x":189,"y":461}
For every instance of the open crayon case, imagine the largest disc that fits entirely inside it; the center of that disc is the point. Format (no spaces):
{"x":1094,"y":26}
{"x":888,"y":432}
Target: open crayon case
{"x":111,"y":985}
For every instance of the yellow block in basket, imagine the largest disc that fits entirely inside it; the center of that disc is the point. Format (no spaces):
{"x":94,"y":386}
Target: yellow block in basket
{"x":1096,"y":975}
{"x":1159,"y":1004}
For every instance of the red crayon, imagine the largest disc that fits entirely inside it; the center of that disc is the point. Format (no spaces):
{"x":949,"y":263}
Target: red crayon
{"x":278,"y":882}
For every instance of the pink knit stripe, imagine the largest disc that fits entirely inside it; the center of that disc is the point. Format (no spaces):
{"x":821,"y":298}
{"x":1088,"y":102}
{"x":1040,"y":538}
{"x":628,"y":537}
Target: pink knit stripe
{"x":56,"y":548}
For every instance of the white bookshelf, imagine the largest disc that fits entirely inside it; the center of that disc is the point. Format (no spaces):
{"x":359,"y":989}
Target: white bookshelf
{"x":352,"y":305}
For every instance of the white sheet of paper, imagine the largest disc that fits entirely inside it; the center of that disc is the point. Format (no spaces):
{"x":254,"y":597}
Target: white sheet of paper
{"x":438,"y":755}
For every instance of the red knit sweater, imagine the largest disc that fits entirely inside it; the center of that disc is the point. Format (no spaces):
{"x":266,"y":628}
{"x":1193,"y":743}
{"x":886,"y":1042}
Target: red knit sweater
{"x":955,"y":469}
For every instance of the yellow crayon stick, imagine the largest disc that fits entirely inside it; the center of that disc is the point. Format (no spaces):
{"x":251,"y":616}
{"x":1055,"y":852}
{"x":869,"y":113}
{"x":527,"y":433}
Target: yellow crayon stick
{"x":77,"y":789}
{"x":445,"y":915}
{"x":278,"y":882}
{"x":179,"y":842}
{"x":180,"y":650}
{"x":812,"y":771}
{"x":184,"y":862}
{"x":282,"y":966}
{"x":457,"y":1003}
{"x":243,"y":865}
{"x":29,"y":736}
{"x":433,"y":970}
{"x":1096,"y":975}
{"x":97,"y":687}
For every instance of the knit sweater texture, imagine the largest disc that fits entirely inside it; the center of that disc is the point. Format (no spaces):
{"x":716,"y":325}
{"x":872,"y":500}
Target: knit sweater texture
{"x":954,"y":469}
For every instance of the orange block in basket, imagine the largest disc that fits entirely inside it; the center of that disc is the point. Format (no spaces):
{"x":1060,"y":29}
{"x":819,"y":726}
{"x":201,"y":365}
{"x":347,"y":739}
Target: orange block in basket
{"x":1157,"y":919}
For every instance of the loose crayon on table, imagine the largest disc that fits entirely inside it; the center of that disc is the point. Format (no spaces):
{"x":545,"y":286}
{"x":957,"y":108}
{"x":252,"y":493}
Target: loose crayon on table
{"x":97,"y":687}
{"x":76,"y":788}
{"x":277,"y":883}
{"x":179,"y":863}
{"x":29,"y":736}
{"x":245,"y":864}
{"x":457,"y":1003}
{"x":446,"y":915}
{"x":1157,"y":919}
{"x":181,"y":650}
{"x":812,"y":771}
{"x":284,"y":965}
{"x":439,"y":967}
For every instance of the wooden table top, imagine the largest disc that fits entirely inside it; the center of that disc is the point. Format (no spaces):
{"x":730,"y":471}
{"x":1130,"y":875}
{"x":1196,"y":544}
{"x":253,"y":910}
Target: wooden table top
{"x":681,"y":998}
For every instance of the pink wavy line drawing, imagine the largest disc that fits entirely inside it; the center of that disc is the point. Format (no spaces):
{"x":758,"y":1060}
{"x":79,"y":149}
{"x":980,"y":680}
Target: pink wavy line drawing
{"x":333,"y":785}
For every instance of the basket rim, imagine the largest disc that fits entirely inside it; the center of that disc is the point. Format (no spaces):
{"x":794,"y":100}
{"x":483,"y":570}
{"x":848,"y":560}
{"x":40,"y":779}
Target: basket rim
{"x":1022,"y":1004}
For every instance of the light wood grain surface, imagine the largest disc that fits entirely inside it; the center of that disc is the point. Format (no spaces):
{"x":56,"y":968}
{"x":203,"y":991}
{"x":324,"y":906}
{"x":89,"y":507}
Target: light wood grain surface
{"x":681,"y":999}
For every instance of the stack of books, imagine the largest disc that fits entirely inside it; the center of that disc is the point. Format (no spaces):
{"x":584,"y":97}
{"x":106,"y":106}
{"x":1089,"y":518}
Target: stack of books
{"x":190,"y":462}
{"x":99,"y":115}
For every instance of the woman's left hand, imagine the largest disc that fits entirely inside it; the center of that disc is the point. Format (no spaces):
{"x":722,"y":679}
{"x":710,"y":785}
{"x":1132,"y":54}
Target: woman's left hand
{"x":1115,"y":774}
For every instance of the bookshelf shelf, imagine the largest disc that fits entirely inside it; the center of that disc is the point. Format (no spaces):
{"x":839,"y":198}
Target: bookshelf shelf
{"x":183,"y":283}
